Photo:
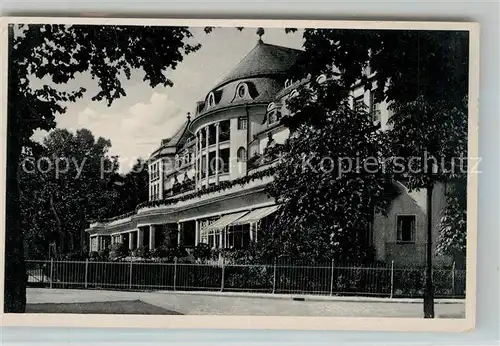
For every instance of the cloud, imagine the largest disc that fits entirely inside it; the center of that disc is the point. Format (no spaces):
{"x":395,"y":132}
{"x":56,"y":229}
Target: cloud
{"x":135,"y":131}
{"x":135,"y":124}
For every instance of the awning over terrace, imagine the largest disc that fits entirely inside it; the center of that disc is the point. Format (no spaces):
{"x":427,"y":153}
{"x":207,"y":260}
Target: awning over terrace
{"x":255,"y":215}
{"x":226,"y":220}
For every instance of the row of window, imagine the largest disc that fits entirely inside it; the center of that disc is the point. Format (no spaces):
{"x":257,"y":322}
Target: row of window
{"x":320,"y":80}
{"x":224,"y":133}
{"x":221,"y":165}
{"x":235,"y":237}
{"x":242,"y":92}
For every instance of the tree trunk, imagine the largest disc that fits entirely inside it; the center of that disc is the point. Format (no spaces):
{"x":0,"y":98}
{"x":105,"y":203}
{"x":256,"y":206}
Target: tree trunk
{"x":15,"y":278}
{"x":15,"y":266}
{"x":62,"y":235}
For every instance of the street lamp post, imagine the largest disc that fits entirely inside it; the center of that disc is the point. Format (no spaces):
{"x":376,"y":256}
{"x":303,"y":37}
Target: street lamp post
{"x":429,"y":289}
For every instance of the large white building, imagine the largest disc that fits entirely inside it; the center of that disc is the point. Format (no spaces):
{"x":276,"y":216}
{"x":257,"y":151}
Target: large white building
{"x":203,"y":186}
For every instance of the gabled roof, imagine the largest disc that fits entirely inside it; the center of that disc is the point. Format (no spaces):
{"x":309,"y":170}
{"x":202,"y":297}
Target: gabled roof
{"x":263,"y":59}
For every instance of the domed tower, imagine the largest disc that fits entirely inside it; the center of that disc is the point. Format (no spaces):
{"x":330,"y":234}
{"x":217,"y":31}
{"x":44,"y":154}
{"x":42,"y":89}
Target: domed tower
{"x":233,"y":112}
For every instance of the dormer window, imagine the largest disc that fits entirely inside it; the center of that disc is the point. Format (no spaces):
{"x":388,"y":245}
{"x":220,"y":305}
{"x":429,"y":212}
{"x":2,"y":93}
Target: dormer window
{"x":211,"y":100}
{"x":242,"y":90}
{"x":294,"y":93}
{"x":273,"y":113}
{"x":288,"y":83}
{"x":321,"y":79}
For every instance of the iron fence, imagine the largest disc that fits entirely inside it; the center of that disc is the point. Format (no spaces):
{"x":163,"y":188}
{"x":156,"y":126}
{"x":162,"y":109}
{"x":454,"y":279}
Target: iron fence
{"x":325,"y":279}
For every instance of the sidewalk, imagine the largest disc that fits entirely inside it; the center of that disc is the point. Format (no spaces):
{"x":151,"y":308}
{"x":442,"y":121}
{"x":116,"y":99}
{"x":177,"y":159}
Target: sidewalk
{"x":227,"y":303}
{"x":320,"y":298}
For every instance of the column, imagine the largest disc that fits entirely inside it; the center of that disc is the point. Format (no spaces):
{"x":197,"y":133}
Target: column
{"x":140,"y":237}
{"x":196,"y":232}
{"x":131,"y":240}
{"x":221,"y":238}
{"x":200,"y":161}
{"x":152,"y":230}
{"x":120,"y":236}
{"x":217,"y":153}
{"x":251,"y":231}
{"x":179,"y":230}
{"x":207,"y":163}
{"x":196,"y":163}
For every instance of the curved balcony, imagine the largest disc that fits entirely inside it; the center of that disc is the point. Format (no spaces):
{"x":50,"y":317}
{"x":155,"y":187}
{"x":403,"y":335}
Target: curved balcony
{"x":213,"y":147}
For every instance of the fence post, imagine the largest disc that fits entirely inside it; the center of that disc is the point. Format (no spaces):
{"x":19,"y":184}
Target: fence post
{"x":51,"y":271}
{"x":223,"y":273}
{"x":175,"y":273}
{"x":453,"y":279}
{"x":86,"y":272}
{"x":130,"y":276}
{"x":274,"y":276}
{"x":331,"y":279}
{"x":392,"y":278}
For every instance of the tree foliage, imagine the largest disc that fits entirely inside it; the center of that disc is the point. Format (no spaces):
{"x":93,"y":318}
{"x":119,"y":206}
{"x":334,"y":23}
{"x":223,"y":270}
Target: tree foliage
{"x":56,"y":54}
{"x":405,"y":63}
{"x":67,"y":185}
{"x":330,"y":181}
{"x":422,"y":75}
{"x":453,"y":225}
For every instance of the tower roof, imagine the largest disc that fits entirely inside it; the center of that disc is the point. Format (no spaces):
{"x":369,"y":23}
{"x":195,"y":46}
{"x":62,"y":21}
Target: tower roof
{"x":263,"y":59}
{"x":176,"y":138}
{"x":171,"y":145}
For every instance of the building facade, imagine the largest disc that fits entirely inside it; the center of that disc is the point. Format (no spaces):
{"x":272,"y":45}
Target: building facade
{"x":207,"y":182}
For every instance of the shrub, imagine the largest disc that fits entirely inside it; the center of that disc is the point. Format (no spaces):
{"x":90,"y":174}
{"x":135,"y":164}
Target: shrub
{"x":72,"y":256}
{"x":104,"y":254}
{"x":202,"y":252}
{"x":94,"y":256}
{"x":118,"y":251}
{"x":141,"y":251}
{"x":168,"y":253}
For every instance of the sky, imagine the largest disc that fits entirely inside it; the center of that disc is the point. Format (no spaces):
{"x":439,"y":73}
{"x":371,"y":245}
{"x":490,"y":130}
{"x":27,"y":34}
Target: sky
{"x":135,"y":124}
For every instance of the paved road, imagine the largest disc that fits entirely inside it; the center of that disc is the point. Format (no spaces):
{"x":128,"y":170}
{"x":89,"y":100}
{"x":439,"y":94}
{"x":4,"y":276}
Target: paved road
{"x":196,"y":304}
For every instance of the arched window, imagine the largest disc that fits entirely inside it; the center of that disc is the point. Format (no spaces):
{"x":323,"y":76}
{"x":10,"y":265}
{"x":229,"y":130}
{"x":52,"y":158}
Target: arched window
{"x":288,"y":83}
{"x":242,"y":154}
{"x":271,"y":106}
{"x":321,"y":79}
{"x":211,"y":100}
{"x":294,"y":93}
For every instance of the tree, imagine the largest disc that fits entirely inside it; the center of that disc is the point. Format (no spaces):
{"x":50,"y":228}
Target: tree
{"x":330,"y":182}
{"x":132,"y":188}
{"x":453,"y":224}
{"x":424,"y":76}
{"x":59,"y":53}
{"x":69,"y":184}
